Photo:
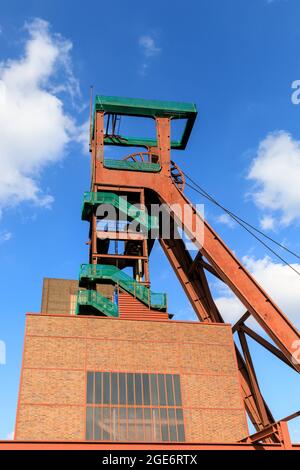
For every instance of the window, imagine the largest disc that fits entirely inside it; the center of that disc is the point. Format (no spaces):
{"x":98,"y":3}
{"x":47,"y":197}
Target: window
{"x":134,"y":407}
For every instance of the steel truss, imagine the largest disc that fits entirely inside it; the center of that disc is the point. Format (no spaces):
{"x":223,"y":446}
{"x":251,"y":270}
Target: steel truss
{"x":213,"y":257}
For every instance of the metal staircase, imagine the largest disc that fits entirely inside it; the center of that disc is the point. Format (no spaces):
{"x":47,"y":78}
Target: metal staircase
{"x":91,"y":199}
{"x":130,"y":308}
{"x":95,"y":272}
{"x":88,"y":300}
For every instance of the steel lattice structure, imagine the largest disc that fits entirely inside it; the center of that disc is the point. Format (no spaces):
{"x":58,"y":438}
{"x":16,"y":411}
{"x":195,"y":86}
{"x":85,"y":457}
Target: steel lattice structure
{"x":153,"y":174}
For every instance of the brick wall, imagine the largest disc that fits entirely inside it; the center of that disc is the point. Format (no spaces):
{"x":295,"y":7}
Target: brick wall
{"x":60,"y":349}
{"x":56,"y":296}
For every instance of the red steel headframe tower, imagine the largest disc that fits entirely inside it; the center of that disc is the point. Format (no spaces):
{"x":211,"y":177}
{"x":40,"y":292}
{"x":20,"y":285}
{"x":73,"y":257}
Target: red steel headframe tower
{"x":105,"y":366}
{"x":149,"y":176}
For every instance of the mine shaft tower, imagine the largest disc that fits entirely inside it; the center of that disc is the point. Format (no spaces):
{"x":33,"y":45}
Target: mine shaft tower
{"x":149,"y":176}
{"x":104,"y":360}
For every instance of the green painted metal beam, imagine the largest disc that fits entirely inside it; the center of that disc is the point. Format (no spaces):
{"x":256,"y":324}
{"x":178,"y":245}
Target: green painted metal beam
{"x":91,"y":199}
{"x":142,"y":107}
{"x":95,"y":272}
{"x":149,"y":109}
{"x":131,"y":166}
{"x":92,"y":298}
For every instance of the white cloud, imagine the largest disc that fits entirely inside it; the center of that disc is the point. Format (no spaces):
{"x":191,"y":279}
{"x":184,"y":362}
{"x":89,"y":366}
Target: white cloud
{"x":149,"y":49}
{"x":83,"y":136}
{"x":5,"y":236}
{"x":34,"y":127}
{"x":225,"y":219}
{"x":267,"y":222}
{"x":275,"y":1}
{"x":276,"y":172}
{"x":230,"y":308}
{"x":148,"y":46}
{"x":278,"y":280}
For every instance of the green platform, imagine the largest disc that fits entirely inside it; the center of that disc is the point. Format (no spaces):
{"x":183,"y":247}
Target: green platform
{"x":91,"y":199}
{"x":87,"y":299}
{"x":95,"y":272}
{"x":132,"y":166}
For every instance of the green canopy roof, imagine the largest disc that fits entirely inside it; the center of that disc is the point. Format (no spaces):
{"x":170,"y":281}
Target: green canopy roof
{"x":146,"y":108}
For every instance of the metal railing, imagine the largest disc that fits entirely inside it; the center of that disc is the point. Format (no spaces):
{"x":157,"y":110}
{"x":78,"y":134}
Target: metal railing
{"x":138,"y":290}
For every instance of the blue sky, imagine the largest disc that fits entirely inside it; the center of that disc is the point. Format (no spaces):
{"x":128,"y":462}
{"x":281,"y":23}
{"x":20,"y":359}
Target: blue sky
{"x":236,"y":59}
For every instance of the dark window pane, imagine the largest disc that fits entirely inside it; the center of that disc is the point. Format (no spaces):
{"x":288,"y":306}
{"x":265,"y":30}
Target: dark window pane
{"x":161,"y":387}
{"x":156,"y":424}
{"x":179,"y":415}
{"x":164,"y":432}
{"x":146,"y":389}
{"x":123,"y":424}
{"x":154,"y":391}
{"x":173,"y":433}
{"x":139,"y":430}
{"x":106,"y":415}
{"x":114,"y":423}
{"x":123,"y":414}
{"x":164,"y":425}
{"x":122,"y":385}
{"x":98,"y":387}
{"x":114,"y":389}
{"x":148,"y":425}
{"x":172,"y":425}
{"x":139,"y":414}
{"x":131,"y":414}
{"x":90,"y":387}
{"x":106,"y":424}
{"x":98,"y":424}
{"x":130,"y":390}
{"x":170,"y":394}
{"x":171,"y":413}
{"x":138,"y":389}
{"x":131,"y":424}
{"x":89,"y":424}
{"x":134,"y":423}
{"x":106,"y":388}
{"x":147,"y":414}
{"x":177,"y":390}
{"x":180,"y":430}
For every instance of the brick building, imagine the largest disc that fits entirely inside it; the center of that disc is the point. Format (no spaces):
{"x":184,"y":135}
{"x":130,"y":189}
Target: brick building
{"x":119,"y":379}
{"x":105,"y":361}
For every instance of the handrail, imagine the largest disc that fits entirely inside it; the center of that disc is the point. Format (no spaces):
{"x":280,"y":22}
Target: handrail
{"x":133,"y":212}
{"x":99,"y":302}
{"x":93,"y":272}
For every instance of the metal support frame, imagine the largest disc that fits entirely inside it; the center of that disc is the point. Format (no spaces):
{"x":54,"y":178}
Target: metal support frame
{"x":214,"y":257}
{"x":206,"y":310}
{"x":278,"y":430}
{"x":253,"y":380}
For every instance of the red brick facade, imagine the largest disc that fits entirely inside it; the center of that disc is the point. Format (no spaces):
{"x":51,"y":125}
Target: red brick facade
{"x":59,"y":350}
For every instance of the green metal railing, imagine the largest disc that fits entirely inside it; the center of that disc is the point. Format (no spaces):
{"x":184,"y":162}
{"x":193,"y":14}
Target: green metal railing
{"x":91,"y":199}
{"x":94,"y":272}
{"x":92,"y":298}
{"x":134,"y":166}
